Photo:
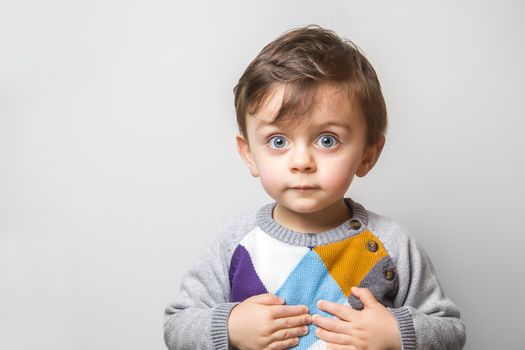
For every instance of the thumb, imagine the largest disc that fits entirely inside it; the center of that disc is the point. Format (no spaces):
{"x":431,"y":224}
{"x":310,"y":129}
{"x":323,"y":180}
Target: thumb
{"x":266,"y":299}
{"x":365,"y":296}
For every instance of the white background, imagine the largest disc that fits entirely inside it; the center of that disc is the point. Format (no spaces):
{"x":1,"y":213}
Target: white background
{"x":117,"y":156}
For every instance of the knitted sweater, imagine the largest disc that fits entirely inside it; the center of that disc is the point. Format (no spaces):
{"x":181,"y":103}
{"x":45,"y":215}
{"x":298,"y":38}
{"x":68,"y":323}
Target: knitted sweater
{"x":254,"y":254}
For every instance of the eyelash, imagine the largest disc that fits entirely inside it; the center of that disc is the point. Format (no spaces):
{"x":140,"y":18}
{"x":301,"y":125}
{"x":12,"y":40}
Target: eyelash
{"x":269,"y":142}
{"x":286,"y":142}
{"x":333,"y":137}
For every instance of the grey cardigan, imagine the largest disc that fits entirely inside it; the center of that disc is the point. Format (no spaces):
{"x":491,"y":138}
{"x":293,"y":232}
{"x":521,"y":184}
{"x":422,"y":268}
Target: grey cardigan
{"x":426,"y":318}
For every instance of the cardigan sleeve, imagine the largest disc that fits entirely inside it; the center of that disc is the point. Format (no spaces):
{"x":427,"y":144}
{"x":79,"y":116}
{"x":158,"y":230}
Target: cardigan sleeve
{"x":198,"y":317}
{"x":427,"y":319}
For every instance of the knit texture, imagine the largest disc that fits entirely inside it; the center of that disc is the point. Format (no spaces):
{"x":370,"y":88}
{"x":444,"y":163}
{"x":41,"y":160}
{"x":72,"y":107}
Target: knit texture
{"x":303,"y":269}
{"x":254,"y":254}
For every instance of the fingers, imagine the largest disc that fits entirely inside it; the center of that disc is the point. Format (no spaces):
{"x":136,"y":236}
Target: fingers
{"x":344,"y":312}
{"x":354,"y":342}
{"x":332,"y":325}
{"x":330,"y":346}
{"x":288,"y":333}
{"x":294,"y":321}
{"x":283,"y":344}
{"x":266,"y":299}
{"x":365,"y":296}
{"x":332,"y":337}
{"x":282,"y":311}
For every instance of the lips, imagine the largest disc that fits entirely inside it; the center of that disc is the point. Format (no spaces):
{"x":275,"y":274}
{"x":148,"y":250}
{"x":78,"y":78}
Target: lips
{"x":304,"y":188}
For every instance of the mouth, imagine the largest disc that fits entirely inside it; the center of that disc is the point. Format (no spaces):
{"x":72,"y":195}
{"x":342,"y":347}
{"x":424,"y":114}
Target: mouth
{"x":304,"y":188}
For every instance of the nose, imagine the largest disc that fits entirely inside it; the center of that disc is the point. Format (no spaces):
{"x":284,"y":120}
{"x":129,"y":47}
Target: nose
{"x":302,"y":160}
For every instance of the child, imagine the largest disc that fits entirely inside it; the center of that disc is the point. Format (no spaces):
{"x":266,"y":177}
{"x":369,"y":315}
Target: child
{"x":314,"y":269}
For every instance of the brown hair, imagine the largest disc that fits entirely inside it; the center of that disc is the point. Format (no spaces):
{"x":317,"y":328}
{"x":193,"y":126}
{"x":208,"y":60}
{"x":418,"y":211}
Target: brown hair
{"x":303,"y":59}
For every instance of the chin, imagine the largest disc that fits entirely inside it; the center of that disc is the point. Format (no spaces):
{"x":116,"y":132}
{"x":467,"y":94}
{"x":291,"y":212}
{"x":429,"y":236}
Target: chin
{"x":303,"y":206}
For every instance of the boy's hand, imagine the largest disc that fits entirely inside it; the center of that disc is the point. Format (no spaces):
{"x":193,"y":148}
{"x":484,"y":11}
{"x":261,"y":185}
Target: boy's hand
{"x":373,"y":328}
{"x":264,"y":322}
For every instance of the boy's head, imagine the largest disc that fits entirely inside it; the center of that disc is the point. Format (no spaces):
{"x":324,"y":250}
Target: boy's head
{"x":311,"y":115}
{"x":304,"y":59}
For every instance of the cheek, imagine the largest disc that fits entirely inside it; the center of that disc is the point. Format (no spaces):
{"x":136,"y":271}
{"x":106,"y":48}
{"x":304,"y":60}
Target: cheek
{"x":339,"y":175}
{"x":339,"y":179}
{"x":270,"y":176}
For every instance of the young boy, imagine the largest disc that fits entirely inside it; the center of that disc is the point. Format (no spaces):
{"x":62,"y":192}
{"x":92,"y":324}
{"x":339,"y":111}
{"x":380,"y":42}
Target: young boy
{"x":314,"y":269}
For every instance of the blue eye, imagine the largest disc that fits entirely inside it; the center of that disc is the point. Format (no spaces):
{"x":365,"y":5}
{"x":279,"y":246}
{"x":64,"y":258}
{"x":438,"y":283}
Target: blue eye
{"x":277,"y":142}
{"x":327,"y":141}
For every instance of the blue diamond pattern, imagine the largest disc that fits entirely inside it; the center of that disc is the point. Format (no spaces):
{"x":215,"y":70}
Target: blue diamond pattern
{"x":309,"y":282}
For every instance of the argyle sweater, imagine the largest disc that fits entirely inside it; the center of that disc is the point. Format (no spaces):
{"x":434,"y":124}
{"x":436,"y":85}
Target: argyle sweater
{"x":254,"y":254}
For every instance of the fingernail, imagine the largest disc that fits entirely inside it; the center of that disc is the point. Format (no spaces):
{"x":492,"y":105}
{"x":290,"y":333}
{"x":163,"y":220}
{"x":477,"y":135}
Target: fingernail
{"x":305,"y":330}
{"x":320,"y":303}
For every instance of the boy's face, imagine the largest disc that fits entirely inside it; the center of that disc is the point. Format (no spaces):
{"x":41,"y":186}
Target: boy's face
{"x":308,"y":164}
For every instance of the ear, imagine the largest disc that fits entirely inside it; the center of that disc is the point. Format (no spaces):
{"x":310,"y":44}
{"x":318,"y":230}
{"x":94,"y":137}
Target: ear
{"x":244,"y":151}
{"x":370,"y":157}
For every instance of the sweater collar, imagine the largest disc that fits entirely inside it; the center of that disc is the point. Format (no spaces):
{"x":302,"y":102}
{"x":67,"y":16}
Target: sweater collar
{"x":356,"y":224}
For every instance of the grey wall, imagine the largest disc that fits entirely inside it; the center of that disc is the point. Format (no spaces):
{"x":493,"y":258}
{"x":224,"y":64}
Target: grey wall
{"x":117,"y":158}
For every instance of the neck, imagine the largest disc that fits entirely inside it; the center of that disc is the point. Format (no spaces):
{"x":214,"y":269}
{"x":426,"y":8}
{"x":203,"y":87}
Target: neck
{"x":320,"y":221}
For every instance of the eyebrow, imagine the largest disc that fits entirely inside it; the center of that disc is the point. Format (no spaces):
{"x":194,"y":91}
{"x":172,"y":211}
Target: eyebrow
{"x":343,"y":125}
{"x":263,"y":124}
{"x":272,"y":124}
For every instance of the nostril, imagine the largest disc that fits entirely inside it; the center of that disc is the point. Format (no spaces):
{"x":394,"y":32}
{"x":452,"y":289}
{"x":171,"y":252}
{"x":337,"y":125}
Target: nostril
{"x":305,"y":169}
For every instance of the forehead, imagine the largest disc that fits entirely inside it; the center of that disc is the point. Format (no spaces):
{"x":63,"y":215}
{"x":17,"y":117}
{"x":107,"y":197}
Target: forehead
{"x":332,"y":105}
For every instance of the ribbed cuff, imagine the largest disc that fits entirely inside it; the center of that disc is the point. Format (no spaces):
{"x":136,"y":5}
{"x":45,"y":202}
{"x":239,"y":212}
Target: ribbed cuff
{"x":406,"y":328}
{"x":219,"y":325}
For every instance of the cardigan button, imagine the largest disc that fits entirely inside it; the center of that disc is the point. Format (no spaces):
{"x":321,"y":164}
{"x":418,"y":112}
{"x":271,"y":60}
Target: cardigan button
{"x":389,"y":274}
{"x":372,"y":246}
{"x":355,"y":224}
